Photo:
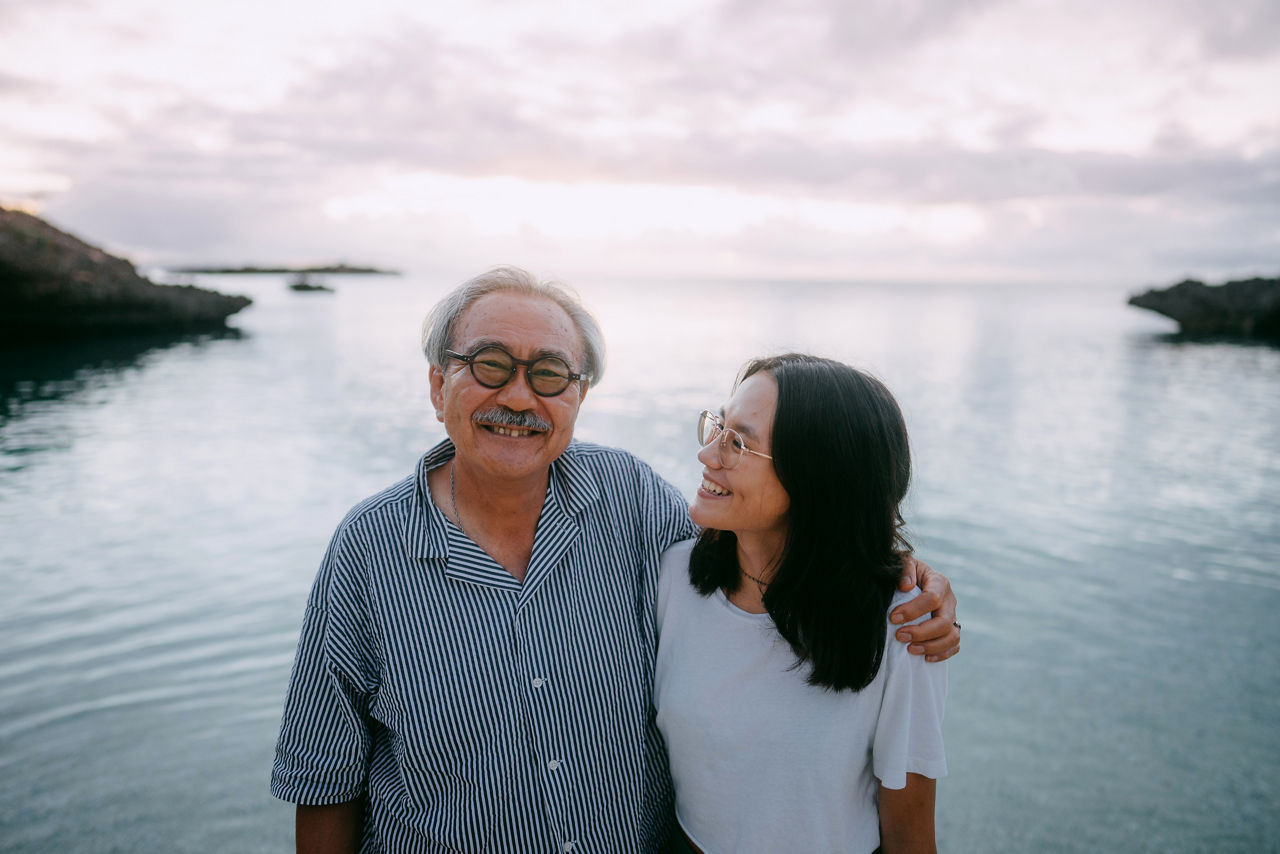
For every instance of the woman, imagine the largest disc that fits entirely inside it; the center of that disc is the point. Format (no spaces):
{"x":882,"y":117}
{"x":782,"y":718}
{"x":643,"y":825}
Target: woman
{"x":793,"y":722}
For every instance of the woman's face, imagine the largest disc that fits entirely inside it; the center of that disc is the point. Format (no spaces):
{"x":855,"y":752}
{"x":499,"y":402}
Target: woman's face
{"x":747,"y":499}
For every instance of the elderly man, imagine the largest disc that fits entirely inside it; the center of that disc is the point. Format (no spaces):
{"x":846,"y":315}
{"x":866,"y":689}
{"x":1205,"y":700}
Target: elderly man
{"x":476,"y":661}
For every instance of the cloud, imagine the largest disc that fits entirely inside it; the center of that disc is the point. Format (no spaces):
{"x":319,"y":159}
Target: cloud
{"x":980,"y":130}
{"x":856,"y":31}
{"x":12,"y":84}
{"x":1241,"y":29}
{"x":373,"y":117}
{"x":420,"y":104}
{"x":15,"y":12}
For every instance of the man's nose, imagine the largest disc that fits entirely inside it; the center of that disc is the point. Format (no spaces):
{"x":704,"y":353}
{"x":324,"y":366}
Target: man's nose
{"x":517,"y":394}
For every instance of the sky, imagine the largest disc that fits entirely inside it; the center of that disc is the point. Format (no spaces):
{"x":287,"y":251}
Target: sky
{"x":1129,"y":142}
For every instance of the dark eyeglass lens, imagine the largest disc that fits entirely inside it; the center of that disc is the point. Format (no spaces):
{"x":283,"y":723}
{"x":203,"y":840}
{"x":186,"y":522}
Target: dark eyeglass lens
{"x":549,"y":375}
{"x":492,"y":367}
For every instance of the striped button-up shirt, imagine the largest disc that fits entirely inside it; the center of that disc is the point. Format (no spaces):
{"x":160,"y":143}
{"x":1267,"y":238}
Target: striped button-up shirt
{"x":480,"y":713}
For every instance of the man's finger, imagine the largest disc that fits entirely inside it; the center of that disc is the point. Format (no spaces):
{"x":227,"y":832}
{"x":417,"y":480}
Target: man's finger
{"x":923,"y":604}
{"x":943,"y":656}
{"x":910,"y":573}
{"x":936,"y":639}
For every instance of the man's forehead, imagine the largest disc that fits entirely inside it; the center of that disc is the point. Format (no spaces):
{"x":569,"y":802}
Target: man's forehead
{"x":518,"y":321}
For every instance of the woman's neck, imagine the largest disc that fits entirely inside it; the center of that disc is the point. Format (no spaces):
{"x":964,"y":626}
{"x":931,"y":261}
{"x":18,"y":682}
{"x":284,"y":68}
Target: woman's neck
{"x":758,"y":557}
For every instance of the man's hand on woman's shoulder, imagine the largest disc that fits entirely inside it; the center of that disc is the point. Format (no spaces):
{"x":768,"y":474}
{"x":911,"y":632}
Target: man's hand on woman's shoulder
{"x":937,"y":638}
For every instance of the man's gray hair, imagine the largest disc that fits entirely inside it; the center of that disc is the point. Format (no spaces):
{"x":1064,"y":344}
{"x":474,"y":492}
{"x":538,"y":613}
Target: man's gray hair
{"x":442,"y":322}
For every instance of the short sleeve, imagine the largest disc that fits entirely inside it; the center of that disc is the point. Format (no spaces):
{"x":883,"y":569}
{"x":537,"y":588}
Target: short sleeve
{"x":323,"y":747}
{"x":908,"y":737}
{"x":667,"y":511}
{"x":673,"y":571}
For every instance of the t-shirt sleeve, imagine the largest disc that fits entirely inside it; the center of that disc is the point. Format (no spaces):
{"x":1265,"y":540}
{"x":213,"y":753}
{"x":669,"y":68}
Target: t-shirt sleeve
{"x":323,"y":748}
{"x":673,"y":576}
{"x":908,"y":737}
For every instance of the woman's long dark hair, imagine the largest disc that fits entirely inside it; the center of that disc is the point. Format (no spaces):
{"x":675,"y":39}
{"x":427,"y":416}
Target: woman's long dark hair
{"x":840,"y":450}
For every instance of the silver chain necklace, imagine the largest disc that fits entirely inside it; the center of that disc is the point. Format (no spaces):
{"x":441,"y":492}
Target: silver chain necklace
{"x":453,"y":499}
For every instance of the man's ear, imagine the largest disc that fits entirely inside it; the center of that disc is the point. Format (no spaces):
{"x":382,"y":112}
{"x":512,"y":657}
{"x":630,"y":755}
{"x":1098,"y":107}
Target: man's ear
{"x":582,"y":392}
{"x":436,"y":376}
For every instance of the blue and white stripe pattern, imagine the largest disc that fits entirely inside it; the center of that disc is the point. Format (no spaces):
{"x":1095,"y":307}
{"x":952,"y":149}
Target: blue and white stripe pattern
{"x":482,"y":714}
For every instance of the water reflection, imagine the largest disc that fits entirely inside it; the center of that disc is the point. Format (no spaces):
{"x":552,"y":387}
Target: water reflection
{"x":42,"y":372}
{"x":1199,"y":338}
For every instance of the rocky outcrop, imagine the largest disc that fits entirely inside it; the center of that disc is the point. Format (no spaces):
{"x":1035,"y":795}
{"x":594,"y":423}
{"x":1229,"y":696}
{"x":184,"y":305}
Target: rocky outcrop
{"x":1249,"y":308}
{"x":55,"y":285}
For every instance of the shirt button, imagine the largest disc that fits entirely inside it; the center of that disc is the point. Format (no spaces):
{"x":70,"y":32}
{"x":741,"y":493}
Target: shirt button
{"x":569,"y":846}
{"x":553,"y":764}
{"x":538,"y":682}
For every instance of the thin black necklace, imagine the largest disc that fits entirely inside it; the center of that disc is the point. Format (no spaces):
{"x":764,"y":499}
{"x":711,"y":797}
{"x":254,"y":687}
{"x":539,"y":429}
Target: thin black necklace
{"x":763,"y":584}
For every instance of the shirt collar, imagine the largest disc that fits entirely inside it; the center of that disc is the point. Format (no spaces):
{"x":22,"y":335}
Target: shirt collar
{"x":573,"y":488}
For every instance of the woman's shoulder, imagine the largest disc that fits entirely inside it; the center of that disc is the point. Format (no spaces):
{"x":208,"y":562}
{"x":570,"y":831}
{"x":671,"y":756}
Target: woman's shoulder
{"x":673,"y":577}
{"x":676,"y":557}
{"x":900,"y":596}
{"x":674,"y":565}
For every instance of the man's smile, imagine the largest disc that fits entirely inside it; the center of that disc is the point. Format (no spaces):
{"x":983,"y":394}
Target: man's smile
{"x":508,"y":422}
{"x":511,"y":431}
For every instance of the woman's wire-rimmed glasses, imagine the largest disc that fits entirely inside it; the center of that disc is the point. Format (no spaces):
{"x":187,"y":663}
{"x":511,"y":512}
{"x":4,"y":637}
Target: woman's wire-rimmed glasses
{"x":711,"y":428}
{"x":493,"y":367}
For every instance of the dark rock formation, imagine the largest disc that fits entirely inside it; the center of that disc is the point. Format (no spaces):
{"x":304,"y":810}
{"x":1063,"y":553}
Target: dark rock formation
{"x":1248,"y":308}
{"x":55,"y":285}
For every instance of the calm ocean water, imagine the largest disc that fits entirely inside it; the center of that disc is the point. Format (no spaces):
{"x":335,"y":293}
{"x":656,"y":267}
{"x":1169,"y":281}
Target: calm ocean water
{"x":1106,"y":500}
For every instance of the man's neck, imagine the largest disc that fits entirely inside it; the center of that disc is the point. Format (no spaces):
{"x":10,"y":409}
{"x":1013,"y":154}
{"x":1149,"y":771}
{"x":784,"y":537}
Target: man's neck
{"x":501,"y":518}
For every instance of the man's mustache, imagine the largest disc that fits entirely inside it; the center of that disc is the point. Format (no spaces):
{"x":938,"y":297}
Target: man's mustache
{"x":503,"y":417}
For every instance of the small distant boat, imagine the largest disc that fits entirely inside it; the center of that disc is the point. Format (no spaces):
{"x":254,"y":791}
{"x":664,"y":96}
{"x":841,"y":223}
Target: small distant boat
{"x":300,"y":282}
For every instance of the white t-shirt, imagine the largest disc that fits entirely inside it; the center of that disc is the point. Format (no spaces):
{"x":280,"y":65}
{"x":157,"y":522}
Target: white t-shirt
{"x":764,"y":762}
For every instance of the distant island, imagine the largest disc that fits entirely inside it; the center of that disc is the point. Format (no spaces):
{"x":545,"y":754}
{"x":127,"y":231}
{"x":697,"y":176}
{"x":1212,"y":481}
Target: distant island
{"x":1246,"y":308}
{"x":56,"y":286}
{"x":303,"y":284}
{"x":344,"y":269}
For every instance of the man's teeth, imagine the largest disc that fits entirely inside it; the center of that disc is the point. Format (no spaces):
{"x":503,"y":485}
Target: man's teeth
{"x":712,"y":488}
{"x":510,"y":431}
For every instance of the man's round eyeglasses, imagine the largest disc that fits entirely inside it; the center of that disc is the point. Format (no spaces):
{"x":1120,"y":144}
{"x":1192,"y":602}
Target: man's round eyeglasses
{"x":493,"y":367}
{"x":711,"y":428}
